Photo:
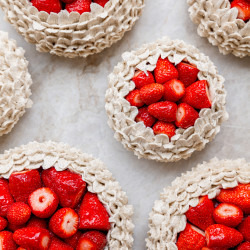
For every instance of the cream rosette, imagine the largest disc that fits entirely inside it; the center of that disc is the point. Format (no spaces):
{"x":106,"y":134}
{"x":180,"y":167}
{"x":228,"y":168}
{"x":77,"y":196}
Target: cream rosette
{"x":71,"y":34}
{"x":218,"y":22}
{"x":100,"y":181}
{"x":167,"y":218}
{"x":15,"y":82}
{"x":135,"y":136}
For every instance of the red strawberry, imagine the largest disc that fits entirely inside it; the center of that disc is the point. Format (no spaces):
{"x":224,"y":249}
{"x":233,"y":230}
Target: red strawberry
{"x":201,"y":215}
{"x":239,"y":196}
{"x":64,"y":223}
{"x":134,"y":98}
{"x":93,"y":214}
{"x":57,"y":244}
{"x":244,"y":228}
{"x":92,"y":240}
{"x":79,"y":6}
{"x":145,"y":117}
{"x":6,"y":199}
{"x":164,"y":128}
{"x":174,"y":90}
{"x":197,"y":95}
{"x":244,"y":246}
{"x":243,"y":7}
{"x":222,"y":236}
{"x":22,"y":184}
{"x":186,"y":116}
{"x":164,"y":111}
{"x":13,"y":227}
{"x":165,"y":71}
{"x":47,"y":5}
{"x":68,"y":186}
{"x":73,"y":240}
{"x":3,"y":223}
{"x":101,"y":2}
{"x":6,"y":241}
{"x":43,"y":202}
{"x":37,"y":222}
{"x":191,"y":238}
{"x":21,"y":248}
{"x":214,"y":248}
{"x":18,"y":213}
{"x":228,"y":215}
{"x":141,"y":79}
{"x":33,"y":238}
{"x":151,"y":93}
{"x":187,"y":73}
{"x":67,"y":1}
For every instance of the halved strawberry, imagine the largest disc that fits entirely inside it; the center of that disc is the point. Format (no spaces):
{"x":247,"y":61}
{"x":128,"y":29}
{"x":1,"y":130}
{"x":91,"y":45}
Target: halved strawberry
{"x":37,"y":222}
{"x":134,"y":98}
{"x":47,"y":5}
{"x":244,"y":246}
{"x":79,"y":6}
{"x":187,"y":73}
{"x":151,"y":93}
{"x":73,"y":240}
{"x":101,"y":2}
{"x":92,"y":240}
{"x":6,"y":198}
{"x":3,"y":223}
{"x":165,"y":71}
{"x":243,"y":7}
{"x":244,"y":228}
{"x":22,"y":184}
{"x":93,"y":215}
{"x":145,"y":117}
{"x":174,"y":90}
{"x":6,"y":241}
{"x":164,"y":128}
{"x":186,"y":116}
{"x":141,"y":78}
{"x":64,"y":223}
{"x":68,"y":186}
{"x":57,"y":244}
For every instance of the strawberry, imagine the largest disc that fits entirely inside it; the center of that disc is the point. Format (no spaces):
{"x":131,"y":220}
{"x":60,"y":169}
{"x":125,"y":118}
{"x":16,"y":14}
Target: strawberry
{"x":3,"y":223}
{"x":145,"y":117}
{"x":134,"y":98}
{"x":239,"y":196}
{"x":68,"y":186}
{"x":228,"y":215}
{"x":92,"y":240}
{"x":141,"y":79}
{"x":101,"y":2}
{"x":67,"y":1}
{"x":47,"y":5}
{"x":218,"y":235}
{"x":37,"y":222}
{"x":174,"y":90}
{"x":186,"y":116}
{"x":33,"y":238}
{"x":57,"y":244}
{"x":151,"y":93}
{"x":18,"y":213}
{"x":197,"y":95}
{"x":93,"y":214}
{"x":79,"y":6}
{"x":187,"y":73}
{"x":73,"y":240}
{"x":191,"y":238}
{"x":214,"y":248}
{"x":164,"y":111}
{"x":244,"y":228}
{"x":6,"y":241}
{"x":244,"y":246}
{"x":21,"y":248}
{"x":13,"y":227}
{"x":164,"y":128}
{"x":6,"y":198}
{"x":243,"y":7}
{"x":64,"y":223}
{"x":201,"y":215}
{"x":22,"y":184}
{"x":165,"y":71}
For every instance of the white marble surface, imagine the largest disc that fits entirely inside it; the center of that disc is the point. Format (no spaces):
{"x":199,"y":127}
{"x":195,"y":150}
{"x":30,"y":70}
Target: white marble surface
{"x":68,"y":106}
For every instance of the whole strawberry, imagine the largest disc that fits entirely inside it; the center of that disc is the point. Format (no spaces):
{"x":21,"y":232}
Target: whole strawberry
{"x":141,"y":79}
{"x":101,"y":2}
{"x":244,"y":246}
{"x":6,"y":241}
{"x":6,"y":198}
{"x":47,"y":5}
{"x":244,"y":228}
{"x":187,"y":73}
{"x":37,"y":222}
{"x":145,"y":117}
{"x":151,"y":93}
{"x":73,"y":240}
{"x":164,"y":128}
{"x":3,"y":223}
{"x":57,"y":244}
{"x":79,"y":6}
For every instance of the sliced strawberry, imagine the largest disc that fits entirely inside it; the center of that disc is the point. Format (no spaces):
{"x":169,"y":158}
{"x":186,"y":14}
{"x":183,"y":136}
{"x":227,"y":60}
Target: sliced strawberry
{"x":93,"y":214}
{"x":22,"y":184}
{"x":33,"y":238}
{"x":6,"y":241}
{"x":186,"y":116}
{"x":218,"y":235}
{"x":174,"y":90}
{"x":3,"y":223}
{"x":164,"y":128}
{"x":73,"y":240}
{"x":57,"y":244}
{"x":239,"y":196}
{"x":79,"y":6}
{"x":101,"y":2}
{"x":6,"y":198}
{"x":187,"y":73}
{"x":141,"y":79}
{"x":197,"y":95}
{"x":134,"y":98}
{"x":243,"y":7}
{"x":244,"y":246}
{"x":244,"y":228}
{"x":191,"y":238}
{"x":201,"y":215}
{"x":64,"y":223}
{"x":92,"y":240}
{"x":47,"y":5}
{"x":165,"y":71}
{"x":151,"y":93}
{"x":145,"y":117}
{"x":68,"y":186}
{"x":164,"y":111}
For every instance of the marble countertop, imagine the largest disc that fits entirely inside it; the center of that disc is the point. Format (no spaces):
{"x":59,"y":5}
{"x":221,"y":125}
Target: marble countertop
{"x":68,"y":96}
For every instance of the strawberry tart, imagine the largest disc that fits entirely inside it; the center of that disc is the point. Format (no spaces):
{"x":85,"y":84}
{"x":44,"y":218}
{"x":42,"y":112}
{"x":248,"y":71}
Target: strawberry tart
{"x":72,"y":28}
{"x":225,"y":23}
{"x":55,"y":197}
{"x":165,"y":101}
{"x":207,"y":208}
{"x":15,"y":82}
